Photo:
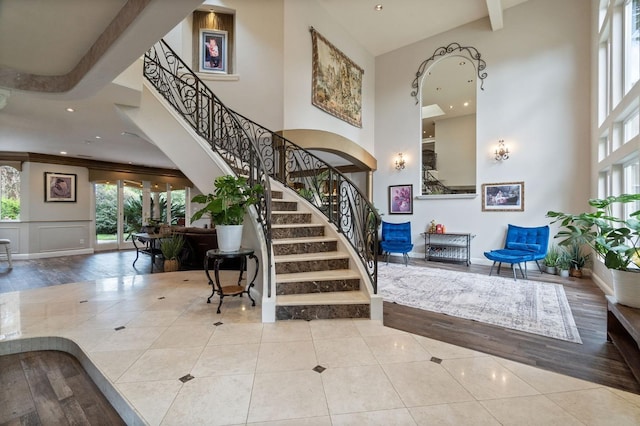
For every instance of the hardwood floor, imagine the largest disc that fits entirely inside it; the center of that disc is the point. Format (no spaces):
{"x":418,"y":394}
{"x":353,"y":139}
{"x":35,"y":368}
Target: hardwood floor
{"x":50,"y":388}
{"x":595,"y":360}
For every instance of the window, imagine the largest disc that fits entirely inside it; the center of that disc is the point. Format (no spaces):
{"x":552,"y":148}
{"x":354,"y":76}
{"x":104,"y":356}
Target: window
{"x":632,"y":43}
{"x":617,"y":88}
{"x":631,"y":181}
{"x":631,"y":126}
{"x":9,"y":193}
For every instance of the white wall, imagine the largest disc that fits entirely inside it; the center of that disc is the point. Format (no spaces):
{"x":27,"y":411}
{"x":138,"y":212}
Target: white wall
{"x":536,"y":98}
{"x":299,"y":113}
{"x":257,"y":92}
{"x":54,"y":228}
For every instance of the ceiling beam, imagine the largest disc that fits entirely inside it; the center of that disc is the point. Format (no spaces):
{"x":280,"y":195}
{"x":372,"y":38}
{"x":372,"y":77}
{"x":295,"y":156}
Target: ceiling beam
{"x":494,"y":7}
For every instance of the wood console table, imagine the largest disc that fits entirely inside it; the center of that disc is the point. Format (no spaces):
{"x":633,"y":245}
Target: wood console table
{"x":147,"y":244}
{"x":623,"y":330}
{"x":452,"y":247}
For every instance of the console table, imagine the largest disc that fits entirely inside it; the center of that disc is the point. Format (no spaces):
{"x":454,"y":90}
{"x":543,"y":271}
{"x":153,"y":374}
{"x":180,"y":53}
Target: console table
{"x":451,"y":246}
{"x":217,"y":257}
{"x":623,"y":330}
{"x":150,"y":245}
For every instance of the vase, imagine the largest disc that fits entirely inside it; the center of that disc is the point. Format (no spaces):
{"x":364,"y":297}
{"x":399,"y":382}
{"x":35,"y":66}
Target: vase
{"x":575,"y":272}
{"x":626,"y":287}
{"x":171,"y":265}
{"x":229,"y":237}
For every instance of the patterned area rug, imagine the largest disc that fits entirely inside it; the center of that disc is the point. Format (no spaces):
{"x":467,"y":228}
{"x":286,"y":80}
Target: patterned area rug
{"x":530,"y":306}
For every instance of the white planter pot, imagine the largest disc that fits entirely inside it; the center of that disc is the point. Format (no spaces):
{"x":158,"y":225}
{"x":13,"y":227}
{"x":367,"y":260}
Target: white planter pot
{"x":564,"y":273}
{"x":626,"y":287}
{"x":550,"y":269}
{"x":229,"y":237}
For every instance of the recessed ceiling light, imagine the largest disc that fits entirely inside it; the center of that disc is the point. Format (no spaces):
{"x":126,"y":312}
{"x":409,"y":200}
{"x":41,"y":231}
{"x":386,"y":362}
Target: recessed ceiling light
{"x":63,"y":152}
{"x":70,"y":110}
{"x":98,"y":137}
{"x":466,"y":104}
{"x":378,"y":7}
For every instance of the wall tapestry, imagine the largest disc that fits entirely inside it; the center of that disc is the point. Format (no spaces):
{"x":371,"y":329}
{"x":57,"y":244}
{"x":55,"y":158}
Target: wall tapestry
{"x":337,"y":81}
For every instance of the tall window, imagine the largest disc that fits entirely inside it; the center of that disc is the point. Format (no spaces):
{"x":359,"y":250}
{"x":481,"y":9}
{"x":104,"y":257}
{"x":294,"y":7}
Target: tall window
{"x":9,"y":193}
{"x":632,"y":43}
{"x":618,"y":161}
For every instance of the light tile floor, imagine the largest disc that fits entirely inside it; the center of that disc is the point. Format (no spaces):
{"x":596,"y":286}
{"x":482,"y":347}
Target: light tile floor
{"x":246,"y":372}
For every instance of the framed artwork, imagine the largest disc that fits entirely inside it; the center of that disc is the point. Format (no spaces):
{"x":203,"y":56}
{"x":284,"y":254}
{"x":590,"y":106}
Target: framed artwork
{"x":337,"y":82}
{"x":60,"y":187}
{"x":401,"y":199}
{"x":505,"y":197}
{"x":213,"y":51}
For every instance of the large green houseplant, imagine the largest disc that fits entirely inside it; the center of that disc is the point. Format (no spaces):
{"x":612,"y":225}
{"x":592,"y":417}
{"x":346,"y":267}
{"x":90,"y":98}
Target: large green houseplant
{"x":616,"y":240}
{"x":227,"y":206}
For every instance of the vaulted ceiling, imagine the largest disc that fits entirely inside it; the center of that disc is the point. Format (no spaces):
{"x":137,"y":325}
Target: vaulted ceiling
{"x":59,"y":54}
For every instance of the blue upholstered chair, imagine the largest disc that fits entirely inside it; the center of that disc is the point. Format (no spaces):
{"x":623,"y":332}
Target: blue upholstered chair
{"x":396,"y":238}
{"x":522,"y":245}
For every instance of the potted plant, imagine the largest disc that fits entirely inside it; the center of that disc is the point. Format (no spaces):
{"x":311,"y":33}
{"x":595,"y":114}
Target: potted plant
{"x":227,"y":206}
{"x":563,"y":263}
{"x":551,"y":259}
{"x":171,"y":248}
{"x":579,"y":259}
{"x":614,"y":239}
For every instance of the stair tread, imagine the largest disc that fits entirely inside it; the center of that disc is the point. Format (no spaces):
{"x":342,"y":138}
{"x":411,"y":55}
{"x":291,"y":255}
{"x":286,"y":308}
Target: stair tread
{"x":299,"y":240}
{"x":296,"y":225}
{"x":305,"y":257}
{"x":333,"y":274}
{"x":330,"y":298}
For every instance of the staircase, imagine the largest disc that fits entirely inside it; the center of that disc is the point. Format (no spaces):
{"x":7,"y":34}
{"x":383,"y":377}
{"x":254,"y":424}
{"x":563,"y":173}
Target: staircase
{"x":319,"y":259}
{"x":314,"y":275}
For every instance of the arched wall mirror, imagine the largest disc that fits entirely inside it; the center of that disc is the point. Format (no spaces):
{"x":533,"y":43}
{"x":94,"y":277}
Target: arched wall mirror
{"x":446,"y":86}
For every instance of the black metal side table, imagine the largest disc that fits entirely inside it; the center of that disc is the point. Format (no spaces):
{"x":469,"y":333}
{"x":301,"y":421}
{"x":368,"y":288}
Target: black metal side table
{"x":217,"y":257}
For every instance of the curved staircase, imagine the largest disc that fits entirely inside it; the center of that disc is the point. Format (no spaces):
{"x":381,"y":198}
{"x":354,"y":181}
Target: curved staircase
{"x":315,"y":275}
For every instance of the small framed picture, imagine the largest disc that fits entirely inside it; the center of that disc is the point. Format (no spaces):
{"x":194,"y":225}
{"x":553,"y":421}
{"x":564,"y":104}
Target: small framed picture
{"x":505,"y":197}
{"x":401,"y":199}
{"x":60,"y":187}
{"x":213,"y":51}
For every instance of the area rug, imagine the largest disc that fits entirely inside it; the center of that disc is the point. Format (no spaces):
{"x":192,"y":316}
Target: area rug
{"x":525,"y":305}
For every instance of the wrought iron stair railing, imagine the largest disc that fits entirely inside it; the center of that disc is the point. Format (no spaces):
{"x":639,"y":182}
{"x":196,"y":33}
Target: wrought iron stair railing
{"x":254,"y":151}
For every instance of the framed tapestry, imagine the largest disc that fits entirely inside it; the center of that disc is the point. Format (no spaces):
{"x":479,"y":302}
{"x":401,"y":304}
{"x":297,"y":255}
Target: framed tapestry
{"x":337,"y":81}
{"x":401,"y":199}
{"x":213,"y":51}
{"x":60,"y":187}
{"x":506,"y":197}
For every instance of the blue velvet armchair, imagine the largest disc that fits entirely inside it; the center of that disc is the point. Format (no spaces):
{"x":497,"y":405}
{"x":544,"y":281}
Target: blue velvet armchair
{"x":522,"y":245}
{"x":396,"y":238}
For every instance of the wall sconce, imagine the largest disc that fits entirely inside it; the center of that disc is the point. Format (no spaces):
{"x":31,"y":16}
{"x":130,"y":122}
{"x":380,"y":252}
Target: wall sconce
{"x":400,"y":162}
{"x":502,"y":152}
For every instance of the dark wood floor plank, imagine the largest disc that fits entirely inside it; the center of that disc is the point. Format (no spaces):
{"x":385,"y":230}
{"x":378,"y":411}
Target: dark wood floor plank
{"x":77,"y":401}
{"x":15,"y":395}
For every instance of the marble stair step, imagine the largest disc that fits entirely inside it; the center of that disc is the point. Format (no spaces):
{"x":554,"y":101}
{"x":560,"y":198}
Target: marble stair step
{"x":332,"y":298}
{"x":307,"y":262}
{"x":317,"y":282}
{"x":308,"y":257}
{"x":279,"y":217}
{"x":296,"y":230}
{"x":330,"y":275}
{"x":304,"y":245}
{"x":284,"y":206}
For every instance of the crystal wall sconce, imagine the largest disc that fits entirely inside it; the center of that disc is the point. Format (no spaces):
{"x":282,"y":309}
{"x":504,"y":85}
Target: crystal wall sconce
{"x":502,"y":151}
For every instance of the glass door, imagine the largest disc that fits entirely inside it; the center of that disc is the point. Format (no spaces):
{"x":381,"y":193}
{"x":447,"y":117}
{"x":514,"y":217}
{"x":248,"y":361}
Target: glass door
{"x":106,"y":214}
